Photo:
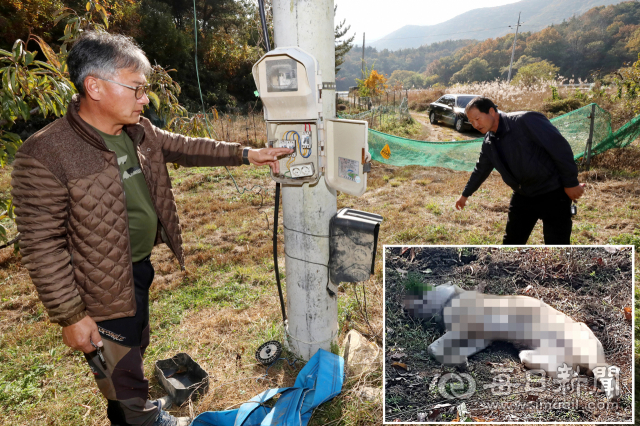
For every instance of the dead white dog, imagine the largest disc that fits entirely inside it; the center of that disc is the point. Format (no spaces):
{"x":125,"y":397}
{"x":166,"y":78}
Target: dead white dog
{"x":474,"y":320}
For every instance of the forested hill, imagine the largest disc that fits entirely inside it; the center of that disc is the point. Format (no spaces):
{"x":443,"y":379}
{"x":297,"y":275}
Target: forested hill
{"x":600,"y":41}
{"x":489,"y":22}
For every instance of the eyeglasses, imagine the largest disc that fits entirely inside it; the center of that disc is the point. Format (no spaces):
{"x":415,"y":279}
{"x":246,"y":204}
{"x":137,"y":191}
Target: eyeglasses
{"x":143,"y":89}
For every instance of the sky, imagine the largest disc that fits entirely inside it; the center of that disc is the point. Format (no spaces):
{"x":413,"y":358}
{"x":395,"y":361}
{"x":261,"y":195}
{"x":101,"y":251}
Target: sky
{"x":378,"y":18}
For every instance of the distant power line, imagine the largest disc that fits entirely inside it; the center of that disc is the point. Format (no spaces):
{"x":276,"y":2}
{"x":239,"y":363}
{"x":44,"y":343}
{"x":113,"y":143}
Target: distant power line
{"x":462,"y":32}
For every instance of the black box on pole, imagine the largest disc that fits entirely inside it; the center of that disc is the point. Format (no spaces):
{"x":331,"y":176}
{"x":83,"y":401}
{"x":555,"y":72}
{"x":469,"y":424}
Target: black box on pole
{"x":352,"y":245}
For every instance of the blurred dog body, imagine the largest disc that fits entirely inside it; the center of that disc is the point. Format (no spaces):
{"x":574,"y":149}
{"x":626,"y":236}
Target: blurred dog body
{"x":549,"y":338}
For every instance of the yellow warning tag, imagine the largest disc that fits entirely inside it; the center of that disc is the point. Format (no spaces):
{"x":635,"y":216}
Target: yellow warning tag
{"x":386,"y":152}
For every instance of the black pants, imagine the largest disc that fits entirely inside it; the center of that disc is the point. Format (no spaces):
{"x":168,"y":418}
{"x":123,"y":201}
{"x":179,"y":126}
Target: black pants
{"x":554,"y":208}
{"x":125,"y":339}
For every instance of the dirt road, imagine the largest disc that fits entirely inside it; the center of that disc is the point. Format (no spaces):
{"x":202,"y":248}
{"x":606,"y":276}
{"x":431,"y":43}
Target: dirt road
{"x":442,"y":132}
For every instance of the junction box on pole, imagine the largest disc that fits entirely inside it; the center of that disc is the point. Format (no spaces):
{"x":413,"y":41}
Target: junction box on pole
{"x":296,"y":83}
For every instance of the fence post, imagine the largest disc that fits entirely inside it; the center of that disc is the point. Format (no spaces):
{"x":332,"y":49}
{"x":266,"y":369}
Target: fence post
{"x":592,"y":116}
{"x":255,"y":134}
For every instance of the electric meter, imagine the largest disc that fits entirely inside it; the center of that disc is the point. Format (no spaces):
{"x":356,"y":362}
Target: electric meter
{"x":290,"y":87}
{"x":287,"y":79}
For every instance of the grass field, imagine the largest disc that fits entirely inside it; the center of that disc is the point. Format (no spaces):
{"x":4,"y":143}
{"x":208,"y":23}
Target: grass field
{"x":226,"y":305}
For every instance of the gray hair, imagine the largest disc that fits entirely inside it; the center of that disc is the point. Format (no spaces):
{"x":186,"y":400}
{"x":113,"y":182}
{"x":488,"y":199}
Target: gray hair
{"x":102,"y":55}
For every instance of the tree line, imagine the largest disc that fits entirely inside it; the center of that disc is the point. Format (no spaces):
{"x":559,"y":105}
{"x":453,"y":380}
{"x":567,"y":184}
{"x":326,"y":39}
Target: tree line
{"x":589,"y":46}
{"x":228,"y":40}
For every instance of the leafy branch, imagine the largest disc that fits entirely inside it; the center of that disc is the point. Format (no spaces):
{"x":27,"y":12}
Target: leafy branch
{"x":32,"y":87}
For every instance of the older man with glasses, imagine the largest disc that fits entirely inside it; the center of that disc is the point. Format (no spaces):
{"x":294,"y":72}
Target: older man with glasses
{"x":92,"y":197}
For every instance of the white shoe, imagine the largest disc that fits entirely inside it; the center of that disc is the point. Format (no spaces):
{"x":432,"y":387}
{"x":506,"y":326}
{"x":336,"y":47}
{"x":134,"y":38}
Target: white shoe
{"x":166,"y":419}
{"x":163,"y":403}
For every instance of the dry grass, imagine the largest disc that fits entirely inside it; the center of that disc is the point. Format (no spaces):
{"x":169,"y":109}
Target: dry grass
{"x":590,"y":285}
{"x":511,"y":98}
{"x":219,"y":311}
{"x":225,"y":305}
{"x":508,"y":97}
{"x":249,"y":130}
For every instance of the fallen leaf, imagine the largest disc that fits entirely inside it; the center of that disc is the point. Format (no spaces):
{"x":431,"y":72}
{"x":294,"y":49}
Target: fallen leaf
{"x":529,"y":287}
{"x":180,"y":370}
{"x":435,"y":411}
{"x":610,"y":249}
{"x":404,"y":250}
{"x":402,"y":272}
{"x":413,"y":254}
{"x":398,"y":356}
{"x":399,"y":364}
{"x":463,"y":413}
{"x":532,"y":398}
{"x":441,"y":406}
{"x":627,"y":313}
{"x":427,"y":271}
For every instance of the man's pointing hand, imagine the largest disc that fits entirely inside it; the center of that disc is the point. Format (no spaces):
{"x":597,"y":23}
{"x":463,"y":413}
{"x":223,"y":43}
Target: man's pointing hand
{"x":269,"y":156}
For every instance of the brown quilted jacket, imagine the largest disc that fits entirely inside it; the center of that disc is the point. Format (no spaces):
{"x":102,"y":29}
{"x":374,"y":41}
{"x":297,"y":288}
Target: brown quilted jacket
{"x":71,"y":211}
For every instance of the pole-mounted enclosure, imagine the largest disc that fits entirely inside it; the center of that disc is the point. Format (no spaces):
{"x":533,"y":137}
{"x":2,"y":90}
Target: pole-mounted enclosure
{"x":296,"y":82}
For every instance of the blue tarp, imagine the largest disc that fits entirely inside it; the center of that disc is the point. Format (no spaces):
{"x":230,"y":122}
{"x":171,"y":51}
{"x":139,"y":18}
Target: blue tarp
{"x":320,"y":380}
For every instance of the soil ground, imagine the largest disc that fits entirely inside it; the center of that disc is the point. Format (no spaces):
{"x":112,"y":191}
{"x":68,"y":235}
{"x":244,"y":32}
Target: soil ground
{"x":591,"y":285}
{"x":442,"y":132}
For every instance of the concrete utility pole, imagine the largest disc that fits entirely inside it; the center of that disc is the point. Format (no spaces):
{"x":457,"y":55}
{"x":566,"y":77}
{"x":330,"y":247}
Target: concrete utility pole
{"x":513,"y":49}
{"x":363,"y":34}
{"x":307,"y":210}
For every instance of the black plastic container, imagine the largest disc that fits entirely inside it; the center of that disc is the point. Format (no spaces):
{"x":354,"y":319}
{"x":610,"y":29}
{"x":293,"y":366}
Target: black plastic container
{"x":182,"y":378}
{"x":353,"y":245}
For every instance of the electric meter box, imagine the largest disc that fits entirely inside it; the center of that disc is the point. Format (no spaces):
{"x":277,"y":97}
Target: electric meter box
{"x":289,"y":85}
{"x":347,"y":156}
{"x":353,"y":244}
{"x":302,"y":165}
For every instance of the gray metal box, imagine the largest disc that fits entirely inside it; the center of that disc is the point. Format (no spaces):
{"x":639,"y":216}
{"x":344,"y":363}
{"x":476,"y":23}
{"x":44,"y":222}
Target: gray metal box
{"x":182,"y":378}
{"x":352,"y":245}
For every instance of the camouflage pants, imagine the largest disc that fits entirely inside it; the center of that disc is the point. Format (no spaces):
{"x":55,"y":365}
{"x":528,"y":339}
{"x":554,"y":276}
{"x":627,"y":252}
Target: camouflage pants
{"x":122,"y":382}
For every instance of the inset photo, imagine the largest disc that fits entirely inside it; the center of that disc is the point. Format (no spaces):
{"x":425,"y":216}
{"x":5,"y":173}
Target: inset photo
{"x":509,"y":334}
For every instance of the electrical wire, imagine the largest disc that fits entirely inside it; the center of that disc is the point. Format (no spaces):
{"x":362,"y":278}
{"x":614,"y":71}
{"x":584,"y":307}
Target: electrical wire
{"x":305,"y":233}
{"x":210,"y":132}
{"x":263,"y":21}
{"x":275,"y":251}
{"x":265,"y":30}
{"x":266,"y":373}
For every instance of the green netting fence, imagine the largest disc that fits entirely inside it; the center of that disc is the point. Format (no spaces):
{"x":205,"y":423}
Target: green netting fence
{"x":589,"y":126}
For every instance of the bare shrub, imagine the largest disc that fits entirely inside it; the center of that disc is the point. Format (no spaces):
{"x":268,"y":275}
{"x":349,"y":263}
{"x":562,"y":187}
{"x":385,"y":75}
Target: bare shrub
{"x":423,"y":97}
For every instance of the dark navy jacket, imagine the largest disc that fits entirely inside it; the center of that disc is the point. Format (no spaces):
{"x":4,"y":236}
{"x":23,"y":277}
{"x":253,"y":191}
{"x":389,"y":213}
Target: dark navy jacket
{"x":533,"y":157}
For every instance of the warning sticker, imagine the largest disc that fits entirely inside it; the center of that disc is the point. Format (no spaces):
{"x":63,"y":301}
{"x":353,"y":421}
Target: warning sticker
{"x":348,"y":169}
{"x":386,"y":152}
